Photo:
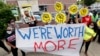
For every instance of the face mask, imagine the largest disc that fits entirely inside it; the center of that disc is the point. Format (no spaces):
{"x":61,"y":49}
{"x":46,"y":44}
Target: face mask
{"x":9,"y":32}
{"x":91,"y":26}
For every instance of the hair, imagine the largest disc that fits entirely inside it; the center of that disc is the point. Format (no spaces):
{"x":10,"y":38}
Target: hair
{"x":94,"y":13}
{"x":73,"y":20}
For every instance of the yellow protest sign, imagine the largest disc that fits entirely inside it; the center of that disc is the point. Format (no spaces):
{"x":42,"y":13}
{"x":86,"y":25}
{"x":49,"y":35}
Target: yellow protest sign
{"x":83,"y":12}
{"x":73,"y":9}
{"x":98,"y":23}
{"x":60,"y":18}
{"x":58,"y":6}
{"x":46,"y":17}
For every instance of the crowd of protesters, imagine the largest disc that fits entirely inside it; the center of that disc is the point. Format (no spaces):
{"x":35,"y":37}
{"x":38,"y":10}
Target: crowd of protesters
{"x":90,"y":20}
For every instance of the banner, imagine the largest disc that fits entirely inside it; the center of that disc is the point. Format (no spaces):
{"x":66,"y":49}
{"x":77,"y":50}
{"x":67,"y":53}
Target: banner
{"x":61,"y":39}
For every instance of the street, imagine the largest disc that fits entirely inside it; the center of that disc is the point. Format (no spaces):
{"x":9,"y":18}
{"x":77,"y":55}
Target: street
{"x":94,"y":50}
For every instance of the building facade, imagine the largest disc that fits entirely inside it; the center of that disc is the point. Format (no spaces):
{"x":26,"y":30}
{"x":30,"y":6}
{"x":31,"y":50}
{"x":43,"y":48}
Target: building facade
{"x":12,"y":2}
{"x":49,"y":4}
{"x":42,"y":4}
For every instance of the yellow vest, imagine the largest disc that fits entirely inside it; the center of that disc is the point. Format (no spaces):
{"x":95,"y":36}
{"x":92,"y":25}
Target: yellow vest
{"x":89,"y":33}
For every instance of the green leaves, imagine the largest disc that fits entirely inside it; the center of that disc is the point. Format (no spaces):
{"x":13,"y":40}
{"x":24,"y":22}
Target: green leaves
{"x":88,"y":2}
{"x":5,"y":16}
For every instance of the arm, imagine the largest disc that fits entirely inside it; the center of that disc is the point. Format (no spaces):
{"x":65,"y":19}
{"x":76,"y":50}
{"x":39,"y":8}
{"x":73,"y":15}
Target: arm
{"x":11,"y":45}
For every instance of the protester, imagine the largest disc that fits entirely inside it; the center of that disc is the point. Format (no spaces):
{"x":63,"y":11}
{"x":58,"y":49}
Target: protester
{"x":94,"y":20}
{"x":11,"y":38}
{"x":98,"y":32}
{"x":88,"y":21}
{"x":2,"y":45}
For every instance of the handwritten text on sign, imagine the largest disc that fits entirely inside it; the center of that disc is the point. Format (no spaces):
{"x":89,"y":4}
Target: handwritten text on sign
{"x":51,"y":38}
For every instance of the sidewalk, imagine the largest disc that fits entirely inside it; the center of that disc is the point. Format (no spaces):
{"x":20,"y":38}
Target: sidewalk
{"x":94,"y":50}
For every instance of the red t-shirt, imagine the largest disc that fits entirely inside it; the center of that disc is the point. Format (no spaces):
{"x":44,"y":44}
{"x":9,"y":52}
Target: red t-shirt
{"x":87,"y":20}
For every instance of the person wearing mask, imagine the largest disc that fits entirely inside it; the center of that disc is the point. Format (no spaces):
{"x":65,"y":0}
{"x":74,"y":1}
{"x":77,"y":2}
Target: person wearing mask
{"x":89,"y":32}
{"x":11,"y":38}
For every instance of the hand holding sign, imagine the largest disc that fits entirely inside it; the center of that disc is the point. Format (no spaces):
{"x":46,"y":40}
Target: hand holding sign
{"x":46,"y":17}
{"x":58,"y":6}
{"x":73,"y":9}
{"x":60,"y":18}
{"x":83,"y":12}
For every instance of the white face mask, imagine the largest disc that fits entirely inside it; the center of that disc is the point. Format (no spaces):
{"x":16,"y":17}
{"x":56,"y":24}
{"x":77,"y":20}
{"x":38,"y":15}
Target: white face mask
{"x":91,"y":26}
{"x":9,"y":32}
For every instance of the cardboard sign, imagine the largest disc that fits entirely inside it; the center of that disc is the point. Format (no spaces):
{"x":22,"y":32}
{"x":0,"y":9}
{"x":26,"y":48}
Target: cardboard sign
{"x":58,"y":6}
{"x":62,"y":39}
{"x":73,"y":9}
{"x":15,"y":12}
{"x":83,"y":12}
{"x":60,"y":18}
{"x":46,"y":17}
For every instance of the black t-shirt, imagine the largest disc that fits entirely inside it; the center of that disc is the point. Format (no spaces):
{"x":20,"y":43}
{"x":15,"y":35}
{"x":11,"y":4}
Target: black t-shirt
{"x":11,"y":38}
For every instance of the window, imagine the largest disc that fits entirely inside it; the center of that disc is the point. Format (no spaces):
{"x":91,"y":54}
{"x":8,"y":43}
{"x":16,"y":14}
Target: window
{"x":43,"y":8}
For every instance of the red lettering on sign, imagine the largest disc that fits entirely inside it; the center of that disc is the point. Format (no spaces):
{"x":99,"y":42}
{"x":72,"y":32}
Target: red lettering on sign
{"x":71,"y":43}
{"x":61,"y":44}
{"x":50,"y":42}
{"x":49,"y":46}
{"x":39,"y":46}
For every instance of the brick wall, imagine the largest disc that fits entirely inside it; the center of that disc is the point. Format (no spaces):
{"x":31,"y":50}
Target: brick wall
{"x":50,"y":4}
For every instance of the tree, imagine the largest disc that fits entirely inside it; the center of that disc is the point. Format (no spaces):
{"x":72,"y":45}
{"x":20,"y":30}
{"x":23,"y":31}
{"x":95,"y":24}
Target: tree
{"x":5,"y":16}
{"x":98,"y":0}
{"x":88,"y":2}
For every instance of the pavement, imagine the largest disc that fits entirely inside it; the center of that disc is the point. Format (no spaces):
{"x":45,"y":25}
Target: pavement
{"x":94,"y":50}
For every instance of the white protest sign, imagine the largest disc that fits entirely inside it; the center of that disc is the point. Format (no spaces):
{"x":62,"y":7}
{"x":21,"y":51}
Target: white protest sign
{"x":60,"y":39}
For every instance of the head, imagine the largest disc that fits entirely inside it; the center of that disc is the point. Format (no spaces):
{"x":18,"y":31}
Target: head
{"x":94,"y":13}
{"x":12,"y":22}
{"x":9,"y":29}
{"x":91,"y":25}
{"x":71,"y":21}
{"x":26,"y":13}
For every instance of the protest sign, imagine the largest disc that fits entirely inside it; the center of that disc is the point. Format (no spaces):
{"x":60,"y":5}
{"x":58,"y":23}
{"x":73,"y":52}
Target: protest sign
{"x":60,"y":39}
{"x":83,"y":12}
{"x":46,"y":17}
{"x":15,"y":12}
{"x":60,"y":18}
{"x":73,"y":9}
{"x":58,"y":6}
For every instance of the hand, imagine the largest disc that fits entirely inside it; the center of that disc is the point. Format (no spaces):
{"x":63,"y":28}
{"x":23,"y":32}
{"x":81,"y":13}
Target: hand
{"x":14,"y":47}
{"x":88,"y":40}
